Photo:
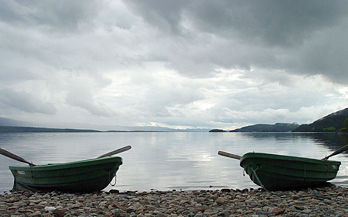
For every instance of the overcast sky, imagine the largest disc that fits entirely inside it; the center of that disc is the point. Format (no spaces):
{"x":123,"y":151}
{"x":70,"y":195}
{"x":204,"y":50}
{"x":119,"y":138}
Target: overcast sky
{"x":179,"y":64}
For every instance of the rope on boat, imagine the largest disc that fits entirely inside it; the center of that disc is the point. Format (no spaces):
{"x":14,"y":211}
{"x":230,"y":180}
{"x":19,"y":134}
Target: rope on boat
{"x":113,"y":184}
{"x":31,"y":173}
{"x":257,"y":178}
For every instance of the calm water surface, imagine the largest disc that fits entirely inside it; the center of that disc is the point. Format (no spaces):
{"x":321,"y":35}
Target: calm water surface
{"x":168,"y":160}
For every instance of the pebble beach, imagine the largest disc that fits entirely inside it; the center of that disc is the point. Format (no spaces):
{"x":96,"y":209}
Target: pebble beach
{"x":324,"y":201}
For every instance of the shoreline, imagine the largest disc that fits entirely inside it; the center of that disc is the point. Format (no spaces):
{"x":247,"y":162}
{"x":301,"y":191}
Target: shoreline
{"x":323,"y":201}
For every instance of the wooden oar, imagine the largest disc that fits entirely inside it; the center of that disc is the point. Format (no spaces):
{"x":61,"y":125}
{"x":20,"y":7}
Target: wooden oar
{"x":340,"y":150}
{"x":229,"y":155}
{"x":126,"y":148}
{"x":15,"y":157}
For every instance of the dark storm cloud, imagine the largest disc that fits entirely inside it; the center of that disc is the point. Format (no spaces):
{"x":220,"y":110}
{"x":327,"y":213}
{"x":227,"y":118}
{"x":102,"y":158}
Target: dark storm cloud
{"x":166,"y":15}
{"x":54,"y":15}
{"x":304,"y":37}
{"x":274,"y":22}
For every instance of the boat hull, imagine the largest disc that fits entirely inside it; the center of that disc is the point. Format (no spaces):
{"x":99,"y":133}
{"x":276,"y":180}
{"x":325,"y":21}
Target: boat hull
{"x":80,"y":176}
{"x":280,"y":172}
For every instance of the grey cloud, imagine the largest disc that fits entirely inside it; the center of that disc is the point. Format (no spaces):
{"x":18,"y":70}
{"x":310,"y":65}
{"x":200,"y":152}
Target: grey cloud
{"x":303,"y":37}
{"x":84,"y":100}
{"x":327,"y":54}
{"x":10,"y":74}
{"x":165,"y":14}
{"x":24,"y":101}
{"x":275,"y":22}
{"x":55,"y":15}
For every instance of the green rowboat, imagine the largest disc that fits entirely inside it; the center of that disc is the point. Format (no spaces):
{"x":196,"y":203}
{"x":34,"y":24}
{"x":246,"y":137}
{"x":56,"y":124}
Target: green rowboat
{"x":280,"y":172}
{"x":79,"y":176}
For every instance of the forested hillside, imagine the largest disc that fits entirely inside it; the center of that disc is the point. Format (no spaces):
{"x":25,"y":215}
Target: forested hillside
{"x":330,"y":123}
{"x":278,"y":127}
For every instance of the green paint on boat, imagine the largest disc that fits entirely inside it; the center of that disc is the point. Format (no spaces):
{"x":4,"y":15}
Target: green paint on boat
{"x":79,"y":176}
{"x":280,"y":172}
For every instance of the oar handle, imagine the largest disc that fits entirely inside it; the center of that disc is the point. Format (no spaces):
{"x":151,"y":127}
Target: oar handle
{"x":340,"y":150}
{"x":234,"y":156}
{"x":126,"y":148}
{"x":15,"y":157}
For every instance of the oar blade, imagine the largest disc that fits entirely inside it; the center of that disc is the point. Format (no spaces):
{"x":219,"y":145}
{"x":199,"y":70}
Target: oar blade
{"x":117,"y":151}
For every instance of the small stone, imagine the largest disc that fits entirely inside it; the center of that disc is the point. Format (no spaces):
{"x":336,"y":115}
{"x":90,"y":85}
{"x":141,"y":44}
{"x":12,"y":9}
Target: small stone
{"x":307,"y":211}
{"x":36,"y":214}
{"x":150,"y":208}
{"x":278,"y":211}
{"x":49,"y":208}
{"x":225,"y":190}
{"x":221,"y":201}
{"x":214,"y":196}
{"x":59,"y":212}
{"x":13,"y":207}
{"x":200,"y":199}
{"x":199,"y":208}
{"x":248,"y":212}
{"x":131,"y":209}
{"x":299,"y":207}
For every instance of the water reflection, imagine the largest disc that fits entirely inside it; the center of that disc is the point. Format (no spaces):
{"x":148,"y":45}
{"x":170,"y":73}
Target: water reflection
{"x":165,"y":161}
{"x":330,"y":140}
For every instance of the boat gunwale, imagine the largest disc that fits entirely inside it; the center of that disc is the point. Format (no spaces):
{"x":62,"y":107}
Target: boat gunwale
{"x":260,"y":155}
{"x":67,"y":165}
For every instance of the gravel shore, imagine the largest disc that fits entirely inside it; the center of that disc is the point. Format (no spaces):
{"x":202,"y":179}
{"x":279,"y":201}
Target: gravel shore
{"x":325,"y":201}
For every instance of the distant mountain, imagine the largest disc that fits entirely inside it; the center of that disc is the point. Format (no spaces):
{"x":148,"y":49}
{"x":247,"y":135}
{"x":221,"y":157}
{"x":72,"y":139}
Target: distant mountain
{"x":10,"y":125}
{"x":156,"y":129}
{"x":11,"y":122}
{"x":278,"y":127}
{"x":14,"y":129}
{"x":18,"y":129}
{"x":330,"y":123}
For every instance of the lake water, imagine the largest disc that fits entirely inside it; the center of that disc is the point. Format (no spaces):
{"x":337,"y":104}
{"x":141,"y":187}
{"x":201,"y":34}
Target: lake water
{"x":169,"y":160}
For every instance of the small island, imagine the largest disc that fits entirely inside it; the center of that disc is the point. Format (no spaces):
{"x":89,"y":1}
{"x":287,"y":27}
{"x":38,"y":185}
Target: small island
{"x":217,"y":130}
